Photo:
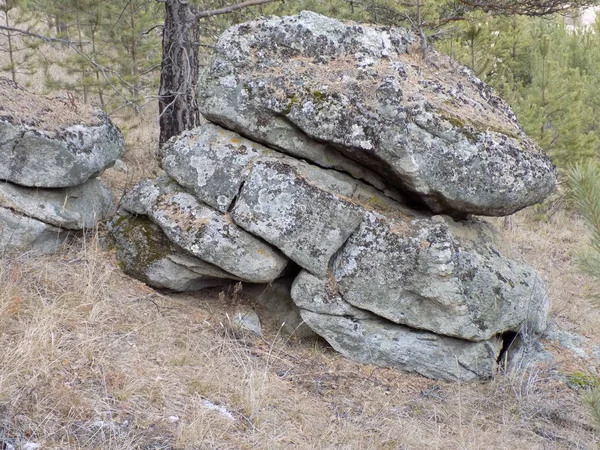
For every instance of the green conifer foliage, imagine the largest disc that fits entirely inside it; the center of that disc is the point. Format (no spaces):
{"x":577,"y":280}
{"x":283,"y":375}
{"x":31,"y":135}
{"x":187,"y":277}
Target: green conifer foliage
{"x":13,"y":14}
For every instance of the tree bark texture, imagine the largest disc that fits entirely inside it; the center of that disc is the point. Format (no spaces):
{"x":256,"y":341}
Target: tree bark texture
{"x":178,"y":109}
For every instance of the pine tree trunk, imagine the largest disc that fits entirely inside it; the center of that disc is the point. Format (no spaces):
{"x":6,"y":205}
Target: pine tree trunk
{"x":179,"y":70}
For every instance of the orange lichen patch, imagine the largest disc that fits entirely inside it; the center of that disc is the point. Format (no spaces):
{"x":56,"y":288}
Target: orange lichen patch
{"x":235,"y":141}
{"x":20,"y":107}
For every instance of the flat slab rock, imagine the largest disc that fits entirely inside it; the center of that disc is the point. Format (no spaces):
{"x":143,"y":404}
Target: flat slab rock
{"x":366,"y":337}
{"x":47,"y":142}
{"x":203,"y":232}
{"x":307,"y":83}
{"x":74,"y":208}
{"x":440,"y":275}
{"x":20,"y":234}
{"x":144,"y":252}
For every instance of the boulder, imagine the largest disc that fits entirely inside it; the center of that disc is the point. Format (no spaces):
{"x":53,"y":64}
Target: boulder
{"x":306,"y":223}
{"x":349,"y":97}
{"x":74,"y":208}
{"x":212,"y":163}
{"x":429,"y":273}
{"x":203,"y":232}
{"x":366,"y":337}
{"x":144,"y":252}
{"x":20,"y":233}
{"x":439,"y":275}
{"x":47,"y":142}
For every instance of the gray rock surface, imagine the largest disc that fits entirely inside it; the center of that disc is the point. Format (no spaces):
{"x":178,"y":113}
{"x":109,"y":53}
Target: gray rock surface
{"x":203,"y":232}
{"x":74,"y":208}
{"x":440,"y":275}
{"x":211,"y":162}
{"x":340,"y":94}
{"x":306,"y":223}
{"x":246,"y":319}
{"x":46,"y":142}
{"x":367,"y":338}
{"x":19,"y":233}
{"x":144,"y":252}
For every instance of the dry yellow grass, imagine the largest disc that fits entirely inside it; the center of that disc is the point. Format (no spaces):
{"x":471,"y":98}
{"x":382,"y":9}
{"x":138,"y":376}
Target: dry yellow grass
{"x":91,"y":359}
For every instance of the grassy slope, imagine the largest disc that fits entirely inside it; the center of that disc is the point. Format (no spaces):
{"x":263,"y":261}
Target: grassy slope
{"x":91,"y":359}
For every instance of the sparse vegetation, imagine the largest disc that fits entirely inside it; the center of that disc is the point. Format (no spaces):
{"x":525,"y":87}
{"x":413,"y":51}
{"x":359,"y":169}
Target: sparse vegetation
{"x":90,"y":358}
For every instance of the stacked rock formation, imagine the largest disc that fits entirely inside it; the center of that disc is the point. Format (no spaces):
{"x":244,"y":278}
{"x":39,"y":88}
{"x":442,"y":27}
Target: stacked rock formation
{"x":335,"y":154}
{"x":50,"y":154}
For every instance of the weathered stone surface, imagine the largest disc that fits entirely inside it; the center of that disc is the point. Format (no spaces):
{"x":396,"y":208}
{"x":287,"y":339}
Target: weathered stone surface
{"x":19,"y":233}
{"x":74,"y":208}
{"x":46,"y":143}
{"x":367,"y":338}
{"x":307,"y":83}
{"x":205,"y":233}
{"x":144,"y":252}
{"x":211,"y":162}
{"x":306,"y":223}
{"x":428,"y":273}
{"x":440,"y":275}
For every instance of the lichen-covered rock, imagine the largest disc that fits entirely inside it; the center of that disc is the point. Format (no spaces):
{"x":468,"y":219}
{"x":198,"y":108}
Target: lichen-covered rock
{"x":306,"y":223}
{"x":439,"y":275}
{"x":74,"y":208}
{"x":366,"y":337}
{"x":48,"y":143}
{"x":211,"y":162}
{"x":19,"y":233}
{"x":432,"y":274}
{"x":340,"y":94}
{"x":144,"y":252}
{"x":203,"y":232}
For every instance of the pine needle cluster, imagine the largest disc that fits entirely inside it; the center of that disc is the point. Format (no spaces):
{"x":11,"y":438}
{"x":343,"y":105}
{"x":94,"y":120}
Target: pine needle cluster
{"x":584,"y":181}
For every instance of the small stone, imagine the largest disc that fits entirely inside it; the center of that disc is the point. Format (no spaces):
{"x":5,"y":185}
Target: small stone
{"x":32,"y":446}
{"x":247,"y":319}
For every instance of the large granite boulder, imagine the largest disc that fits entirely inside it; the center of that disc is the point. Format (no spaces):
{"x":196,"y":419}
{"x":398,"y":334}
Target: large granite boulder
{"x":46,"y":142}
{"x":346,"y":95}
{"x":366,"y":337}
{"x":382,"y":282}
{"x":335,"y":148}
{"x":51,"y":151}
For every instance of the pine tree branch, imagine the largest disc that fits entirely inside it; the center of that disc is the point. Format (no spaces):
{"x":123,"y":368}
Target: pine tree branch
{"x":533,"y":8}
{"x":230,"y":9}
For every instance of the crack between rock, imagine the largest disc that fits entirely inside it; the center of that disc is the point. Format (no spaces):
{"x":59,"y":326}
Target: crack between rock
{"x":403,"y":192}
{"x":337,"y":253}
{"x":235,"y":198}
